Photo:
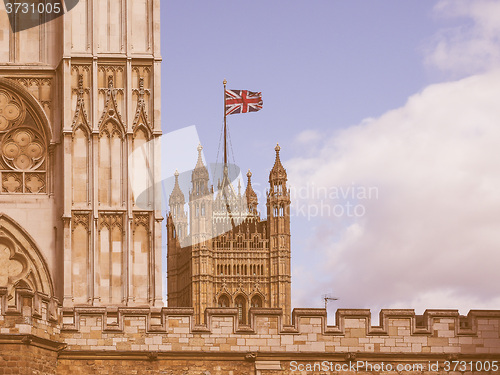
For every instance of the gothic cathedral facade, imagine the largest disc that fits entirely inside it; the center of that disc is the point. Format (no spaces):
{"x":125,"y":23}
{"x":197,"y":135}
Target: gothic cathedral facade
{"x":227,"y":256}
{"x":78,"y":94}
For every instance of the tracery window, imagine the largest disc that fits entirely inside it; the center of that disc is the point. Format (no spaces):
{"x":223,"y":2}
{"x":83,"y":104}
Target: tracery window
{"x":256,"y":301}
{"x":23,"y":148}
{"x":223,"y":301}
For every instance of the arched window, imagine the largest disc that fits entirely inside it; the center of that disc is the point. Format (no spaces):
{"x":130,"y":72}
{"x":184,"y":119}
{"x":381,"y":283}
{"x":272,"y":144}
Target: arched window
{"x":240,"y":303}
{"x":256,"y":301}
{"x":223,"y":301}
{"x":23,"y":146}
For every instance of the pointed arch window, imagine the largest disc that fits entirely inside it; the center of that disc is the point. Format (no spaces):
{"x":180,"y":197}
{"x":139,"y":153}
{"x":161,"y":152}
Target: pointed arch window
{"x":256,"y":301}
{"x":223,"y":301}
{"x":23,"y":146}
{"x":240,"y":303}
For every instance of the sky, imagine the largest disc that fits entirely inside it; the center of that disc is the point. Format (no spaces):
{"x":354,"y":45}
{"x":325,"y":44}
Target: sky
{"x":388,"y":120}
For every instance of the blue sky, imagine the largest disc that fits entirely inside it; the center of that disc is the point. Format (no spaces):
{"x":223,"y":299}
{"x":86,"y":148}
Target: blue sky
{"x":359,"y":94}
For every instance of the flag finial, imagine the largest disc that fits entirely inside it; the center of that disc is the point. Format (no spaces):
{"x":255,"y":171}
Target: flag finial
{"x":224,"y":82}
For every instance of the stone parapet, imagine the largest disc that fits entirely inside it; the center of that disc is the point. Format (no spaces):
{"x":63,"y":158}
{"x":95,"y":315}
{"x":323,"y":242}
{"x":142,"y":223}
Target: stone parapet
{"x":37,"y":333}
{"x":173,"y":329}
{"x":30,"y":317}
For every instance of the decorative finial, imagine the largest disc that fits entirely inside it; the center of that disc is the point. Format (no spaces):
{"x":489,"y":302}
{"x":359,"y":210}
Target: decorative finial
{"x":110,"y":82}
{"x":224,"y":82}
{"x":249,"y":174}
{"x":176,"y":173}
{"x":277,"y":148}
{"x":199,"y":148}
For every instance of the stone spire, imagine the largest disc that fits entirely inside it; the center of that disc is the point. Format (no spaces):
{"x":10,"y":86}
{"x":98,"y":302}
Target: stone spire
{"x":250,"y":194}
{"x":278,"y":172}
{"x":177,"y":196}
{"x":200,"y":171}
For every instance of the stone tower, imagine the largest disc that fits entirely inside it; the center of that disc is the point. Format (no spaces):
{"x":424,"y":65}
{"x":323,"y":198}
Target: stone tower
{"x":78,"y":95}
{"x":278,"y":217}
{"x":230,"y":257}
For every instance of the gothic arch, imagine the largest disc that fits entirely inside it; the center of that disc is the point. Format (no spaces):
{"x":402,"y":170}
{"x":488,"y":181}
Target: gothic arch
{"x":223,"y":300}
{"x":39,"y":115}
{"x":257,"y":300}
{"x":26,"y":265}
{"x":241,"y":303}
{"x":25,"y":136}
{"x":110,"y":127}
{"x":144,"y":129}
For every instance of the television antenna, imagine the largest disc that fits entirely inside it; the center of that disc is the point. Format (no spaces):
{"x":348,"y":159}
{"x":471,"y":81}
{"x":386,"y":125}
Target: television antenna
{"x":329,"y":297}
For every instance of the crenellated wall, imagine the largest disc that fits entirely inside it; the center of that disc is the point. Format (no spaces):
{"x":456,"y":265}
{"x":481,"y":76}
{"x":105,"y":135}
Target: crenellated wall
{"x":107,"y":340}
{"x":172,"y":329}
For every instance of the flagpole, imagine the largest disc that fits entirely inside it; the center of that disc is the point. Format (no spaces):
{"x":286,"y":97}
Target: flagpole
{"x":225,"y":130}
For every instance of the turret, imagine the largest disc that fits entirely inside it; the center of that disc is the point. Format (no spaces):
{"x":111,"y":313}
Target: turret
{"x":179,"y":216}
{"x":278,"y":219}
{"x":177,"y":232}
{"x":200,"y":203}
{"x":201,"y":262}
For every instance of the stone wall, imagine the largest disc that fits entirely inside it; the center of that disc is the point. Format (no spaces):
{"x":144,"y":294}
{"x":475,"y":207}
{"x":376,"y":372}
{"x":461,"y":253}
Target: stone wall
{"x":172,"y":329}
{"x":37,"y":336}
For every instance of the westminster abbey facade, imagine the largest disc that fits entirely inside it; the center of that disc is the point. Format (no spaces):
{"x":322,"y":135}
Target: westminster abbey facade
{"x":222,"y":254}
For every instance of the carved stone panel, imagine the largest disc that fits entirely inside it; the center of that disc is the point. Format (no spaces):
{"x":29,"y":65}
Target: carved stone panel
{"x":23,"y":147}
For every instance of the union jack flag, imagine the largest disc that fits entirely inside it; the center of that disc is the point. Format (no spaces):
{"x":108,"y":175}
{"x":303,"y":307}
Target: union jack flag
{"x":242,"y":101}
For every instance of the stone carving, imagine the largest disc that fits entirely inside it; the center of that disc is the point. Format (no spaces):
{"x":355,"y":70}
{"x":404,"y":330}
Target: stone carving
{"x":40,"y":88}
{"x":21,"y":264}
{"x":111,"y":113}
{"x":80,"y":219}
{"x":141,"y":219}
{"x":141,"y":117}
{"x":23,"y":149}
{"x":12,"y":183}
{"x":110,"y":220}
{"x":35,"y":182}
{"x":80,"y":117}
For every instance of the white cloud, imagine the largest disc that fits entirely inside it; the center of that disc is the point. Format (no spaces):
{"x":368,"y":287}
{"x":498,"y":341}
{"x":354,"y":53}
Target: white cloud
{"x":431,"y":239}
{"x":468,"y":48}
{"x":308,"y":136}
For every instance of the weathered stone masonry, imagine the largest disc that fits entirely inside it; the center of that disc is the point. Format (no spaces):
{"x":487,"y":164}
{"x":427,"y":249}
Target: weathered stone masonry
{"x":38,"y":336}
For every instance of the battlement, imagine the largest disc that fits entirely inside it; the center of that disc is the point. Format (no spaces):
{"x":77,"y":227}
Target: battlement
{"x":30,"y":318}
{"x":173,"y":329}
{"x":39,"y":325}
